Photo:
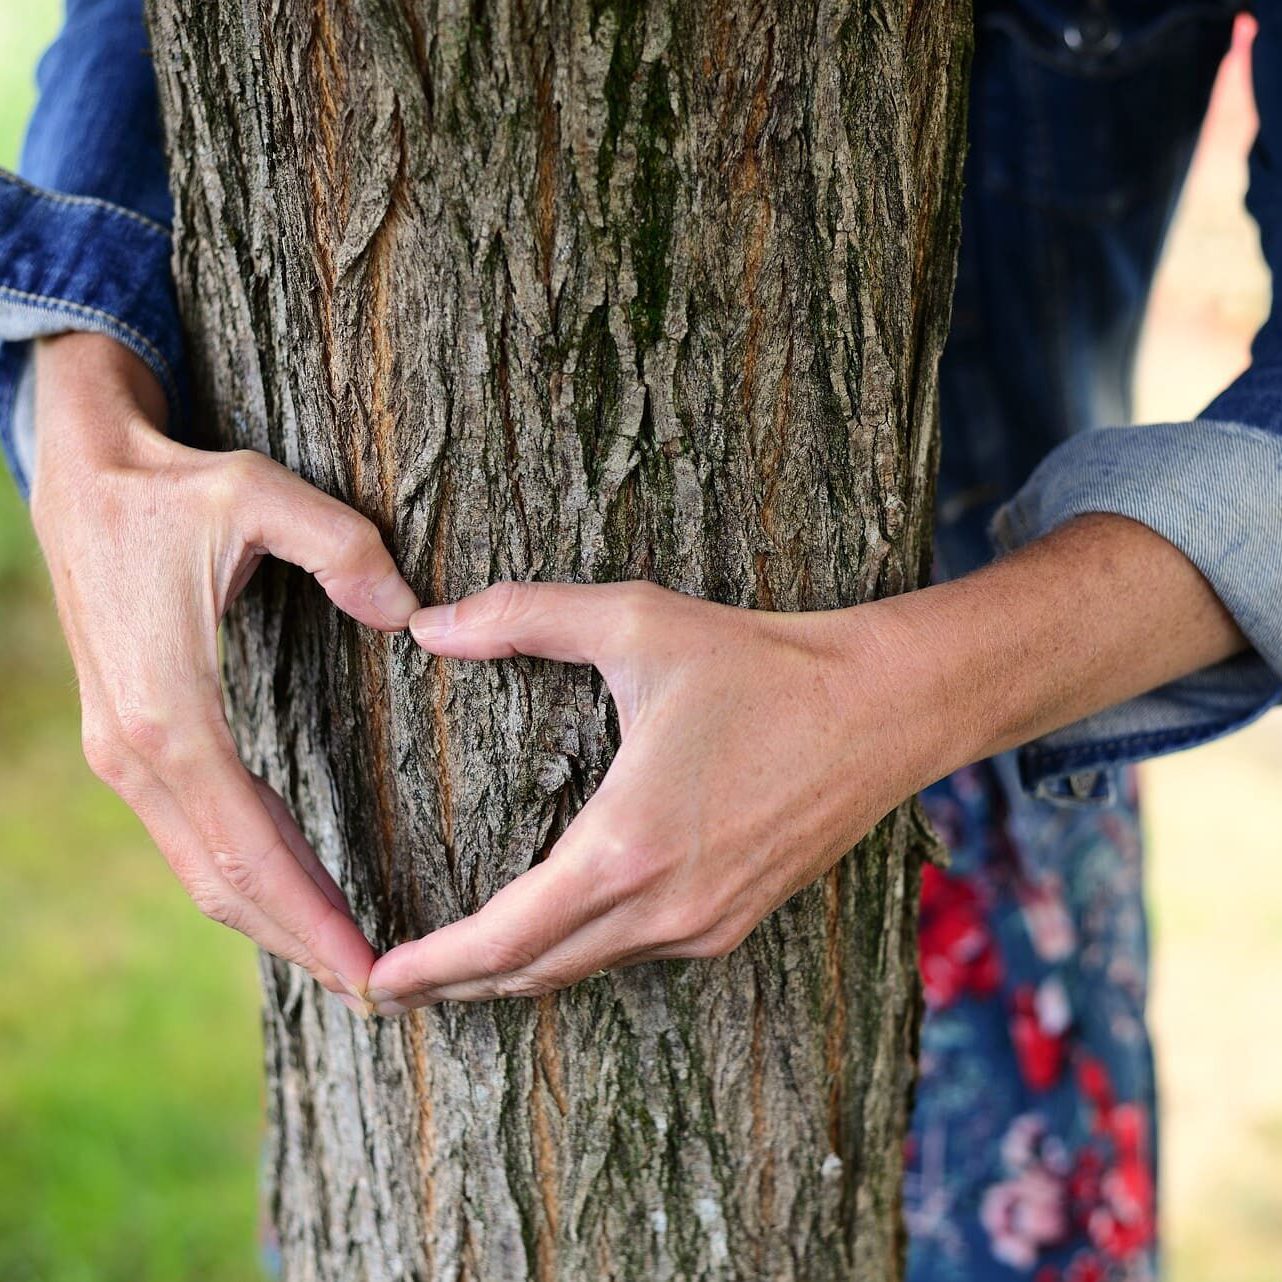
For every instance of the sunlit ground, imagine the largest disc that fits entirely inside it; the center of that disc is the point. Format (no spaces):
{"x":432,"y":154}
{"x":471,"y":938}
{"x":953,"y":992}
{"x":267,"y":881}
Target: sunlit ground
{"x":129,"y":1098}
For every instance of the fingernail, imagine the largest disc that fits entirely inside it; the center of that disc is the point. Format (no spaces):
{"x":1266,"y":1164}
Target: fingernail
{"x":377,"y":995}
{"x":390,"y":1008}
{"x":358,"y":993}
{"x":358,"y":1001}
{"x":394,"y":600}
{"x":432,"y":622}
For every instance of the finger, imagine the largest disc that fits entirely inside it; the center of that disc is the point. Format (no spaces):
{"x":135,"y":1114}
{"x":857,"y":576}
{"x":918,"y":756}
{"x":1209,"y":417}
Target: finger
{"x":608,"y":943}
{"x":571,"y":622}
{"x":604,"y":943}
{"x":235,"y":828}
{"x":299,"y":846}
{"x":298,"y":523}
{"x":529,"y":916}
{"x":183,"y":850}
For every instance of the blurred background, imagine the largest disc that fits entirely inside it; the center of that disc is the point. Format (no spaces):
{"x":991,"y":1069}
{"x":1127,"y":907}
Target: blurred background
{"x":129,"y":1097}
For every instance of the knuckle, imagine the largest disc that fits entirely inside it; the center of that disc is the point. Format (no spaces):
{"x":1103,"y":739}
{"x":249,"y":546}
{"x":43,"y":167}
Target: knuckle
{"x":634,"y":608}
{"x":173,"y":735}
{"x":501,"y":601}
{"x":694,"y":926}
{"x":720,"y":941}
{"x":522,"y":985}
{"x":632,"y":870}
{"x":307,"y":938}
{"x":106,"y":757}
{"x":214,"y":902}
{"x":623,"y":860}
{"x":245,"y":465}
{"x":677,"y":925}
{"x":148,"y":731}
{"x":237,"y":472}
{"x":240,"y":871}
{"x":642,"y":594}
{"x":503,"y":957}
{"x":357,"y":536}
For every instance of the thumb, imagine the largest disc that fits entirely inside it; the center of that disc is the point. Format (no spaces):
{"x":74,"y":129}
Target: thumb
{"x":570,"y":622}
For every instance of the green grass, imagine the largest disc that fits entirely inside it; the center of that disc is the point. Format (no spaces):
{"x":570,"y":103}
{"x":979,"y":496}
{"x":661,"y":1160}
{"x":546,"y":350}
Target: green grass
{"x":129,"y":1088}
{"x":129,"y":1096}
{"x":129,"y":1050}
{"x":25,"y":29}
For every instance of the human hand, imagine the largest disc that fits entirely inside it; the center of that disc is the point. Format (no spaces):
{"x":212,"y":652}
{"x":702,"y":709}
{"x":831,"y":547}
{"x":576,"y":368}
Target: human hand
{"x":757,"y":748}
{"x":148,"y":542}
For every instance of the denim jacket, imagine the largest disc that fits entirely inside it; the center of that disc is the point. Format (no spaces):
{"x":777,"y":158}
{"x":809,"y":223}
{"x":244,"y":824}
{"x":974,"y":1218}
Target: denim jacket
{"x":1084,"y":114}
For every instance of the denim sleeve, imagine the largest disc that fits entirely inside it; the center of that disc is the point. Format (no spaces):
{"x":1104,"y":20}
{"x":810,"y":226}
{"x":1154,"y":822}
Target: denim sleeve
{"x":1213,"y":488}
{"x":85,"y":228}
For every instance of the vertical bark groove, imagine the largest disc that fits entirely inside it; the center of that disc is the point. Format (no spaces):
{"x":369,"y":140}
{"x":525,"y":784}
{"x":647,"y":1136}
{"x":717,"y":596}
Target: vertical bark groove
{"x":581,"y":290}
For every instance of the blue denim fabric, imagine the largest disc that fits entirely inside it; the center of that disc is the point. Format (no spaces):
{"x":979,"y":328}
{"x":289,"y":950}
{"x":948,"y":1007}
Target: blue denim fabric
{"x":1083,"y":121}
{"x":1034,"y":1146}
{"x":1229,"y":529}
{"x":1084,"y":117}
{"x":84,"y":234}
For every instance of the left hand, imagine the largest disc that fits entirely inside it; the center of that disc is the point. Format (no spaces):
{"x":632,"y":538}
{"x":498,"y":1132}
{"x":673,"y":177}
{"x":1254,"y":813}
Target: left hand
{"x":757,"y":749}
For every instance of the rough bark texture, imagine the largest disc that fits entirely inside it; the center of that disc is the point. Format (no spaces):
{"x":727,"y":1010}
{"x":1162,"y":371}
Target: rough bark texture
{"x":584,"y":291}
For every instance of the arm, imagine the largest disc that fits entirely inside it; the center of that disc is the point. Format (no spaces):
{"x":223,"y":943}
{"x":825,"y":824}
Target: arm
{"x":84,"y":228}
{"x":148,"y":541}
{"x":1212,"y":487}
{"x":759,"y":747}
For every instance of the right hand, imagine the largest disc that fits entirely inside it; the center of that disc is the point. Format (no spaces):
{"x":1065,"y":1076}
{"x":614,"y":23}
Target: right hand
{"x":148,"y":542}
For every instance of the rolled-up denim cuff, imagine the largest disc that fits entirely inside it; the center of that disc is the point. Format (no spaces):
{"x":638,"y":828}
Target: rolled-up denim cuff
{"x":78,"y":263}
{"x":1214,"y":490}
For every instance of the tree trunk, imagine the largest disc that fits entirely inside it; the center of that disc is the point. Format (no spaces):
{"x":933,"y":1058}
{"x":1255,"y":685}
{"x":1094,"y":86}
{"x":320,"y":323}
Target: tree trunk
{"x":581,"y":291}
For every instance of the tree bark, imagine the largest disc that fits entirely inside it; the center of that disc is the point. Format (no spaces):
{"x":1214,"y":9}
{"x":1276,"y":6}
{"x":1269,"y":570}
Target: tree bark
{"x":570,"y":290}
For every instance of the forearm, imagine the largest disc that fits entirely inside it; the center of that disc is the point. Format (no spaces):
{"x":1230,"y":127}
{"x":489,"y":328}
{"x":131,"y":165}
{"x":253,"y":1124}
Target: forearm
{"x":1097,"y":612}
{"x":84,"y":234}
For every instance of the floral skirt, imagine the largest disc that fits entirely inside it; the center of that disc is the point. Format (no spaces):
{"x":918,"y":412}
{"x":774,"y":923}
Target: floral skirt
{"x":1033,"y":1147}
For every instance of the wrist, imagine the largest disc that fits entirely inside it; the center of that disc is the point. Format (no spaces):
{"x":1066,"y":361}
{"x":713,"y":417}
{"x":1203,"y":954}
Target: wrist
{"x":933,"y":662}
{"x":1097,"y":612}
{"x":97,"y":367}
{"x":97,"y":405}
{"x":950,"y":677}
{"x":896,"y":688}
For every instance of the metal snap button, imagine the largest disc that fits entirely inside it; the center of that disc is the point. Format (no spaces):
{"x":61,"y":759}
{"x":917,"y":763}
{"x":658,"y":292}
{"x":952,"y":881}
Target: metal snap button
{"x":1093,"y":35}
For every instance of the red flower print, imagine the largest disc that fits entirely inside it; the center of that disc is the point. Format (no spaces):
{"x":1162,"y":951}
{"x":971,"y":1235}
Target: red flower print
{"x":1122,"y":1224}
{"x":957,"y":952}
{"x":1084,"y":1179}
{"x":1086,"y":1268}
{"x":1093,"y":1079}
{"x":1111,"y":1184}
{"x":1039,"y":1029}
